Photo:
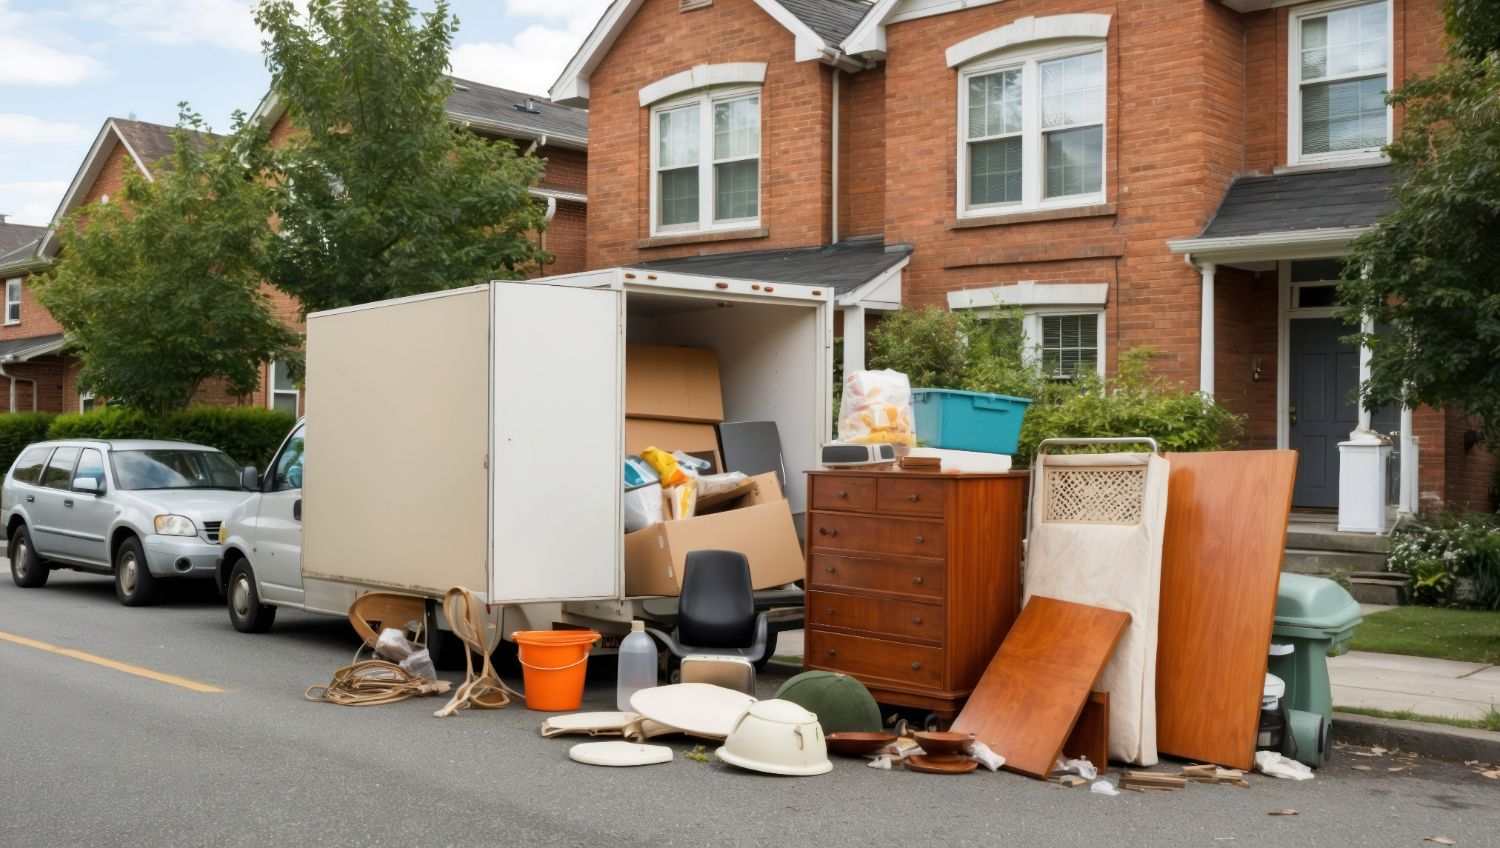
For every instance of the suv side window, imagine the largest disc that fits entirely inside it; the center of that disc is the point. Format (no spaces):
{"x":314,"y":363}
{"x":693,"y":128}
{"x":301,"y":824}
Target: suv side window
{"x":90,"y":466}
{"x":288,"y":470}
{"x":28,"y":467}
{"x":59,"y":471}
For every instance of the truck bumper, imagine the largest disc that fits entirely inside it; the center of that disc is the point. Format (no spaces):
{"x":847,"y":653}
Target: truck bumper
{"x":181,"y":556}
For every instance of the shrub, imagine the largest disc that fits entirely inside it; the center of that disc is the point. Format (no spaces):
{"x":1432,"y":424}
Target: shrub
{"x":248,"y":434}
{"x":939,"y":349}
{"x":19,"y":429}
{"x":1434,"y":555}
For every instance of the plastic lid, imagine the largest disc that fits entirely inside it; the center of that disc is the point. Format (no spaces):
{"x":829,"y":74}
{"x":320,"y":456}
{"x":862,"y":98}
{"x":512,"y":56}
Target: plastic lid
{"x":1275,"y":686}
{"x":782,"y":711}
{"x":637,"y":626}
{"x":1315,"y":603}
{"x":1282,"y":650}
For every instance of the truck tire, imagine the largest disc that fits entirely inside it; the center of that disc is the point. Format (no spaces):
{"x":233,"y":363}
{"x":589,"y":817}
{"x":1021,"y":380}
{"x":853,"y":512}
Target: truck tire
{"x":26,"y":568}
{"x":246,"y":612}
{"x":135,"y":586}
{"x":445,"y":649}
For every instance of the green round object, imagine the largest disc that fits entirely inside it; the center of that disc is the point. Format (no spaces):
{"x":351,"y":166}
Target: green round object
{"x":842,"y":704}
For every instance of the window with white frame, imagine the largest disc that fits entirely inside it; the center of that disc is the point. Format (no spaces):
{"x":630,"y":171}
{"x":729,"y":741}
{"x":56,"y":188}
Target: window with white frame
{"x":706,"y":162}
{"x":13,"y":301}
{"x":1341,"y":66}
{"x":86,"y":402}
{"x":1069,"y":344}
{"x":283,"y":395}
{"x":1031,"y":130}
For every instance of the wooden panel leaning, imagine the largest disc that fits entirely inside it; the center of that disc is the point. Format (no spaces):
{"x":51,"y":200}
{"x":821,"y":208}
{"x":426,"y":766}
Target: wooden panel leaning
{"x":1221,"y":564}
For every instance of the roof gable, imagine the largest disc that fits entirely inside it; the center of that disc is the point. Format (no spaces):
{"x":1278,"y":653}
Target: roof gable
{"x":817,"y":25}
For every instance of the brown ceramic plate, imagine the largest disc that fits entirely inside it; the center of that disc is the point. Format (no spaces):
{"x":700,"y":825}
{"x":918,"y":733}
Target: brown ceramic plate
{"x":853,"y":744}
{"x":935,"y":742}
{"x":941,"y":765}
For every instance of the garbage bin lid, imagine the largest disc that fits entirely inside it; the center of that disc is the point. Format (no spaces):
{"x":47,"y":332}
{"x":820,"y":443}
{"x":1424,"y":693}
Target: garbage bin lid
{"x":1315,"y":603}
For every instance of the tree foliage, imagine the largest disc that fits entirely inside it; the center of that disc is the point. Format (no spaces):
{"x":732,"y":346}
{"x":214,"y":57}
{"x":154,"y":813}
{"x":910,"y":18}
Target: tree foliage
{"x":158,"y":289}
{"x":377,"y":196}
{"x":1429,"y":272}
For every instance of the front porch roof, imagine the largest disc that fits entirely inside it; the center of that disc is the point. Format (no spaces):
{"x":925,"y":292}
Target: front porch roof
{"x":1292,"y":215}
{"x":22,"y":350}
{"x":861,"y":272}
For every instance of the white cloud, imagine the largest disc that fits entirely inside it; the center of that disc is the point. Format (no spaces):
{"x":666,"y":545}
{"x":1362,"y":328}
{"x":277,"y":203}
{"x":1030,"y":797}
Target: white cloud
{"x":31,"y":201}
{"x":222,"y":23}
{"x":17,"y":129}
{"x":532,"y":59}
{"x":30,"y":60}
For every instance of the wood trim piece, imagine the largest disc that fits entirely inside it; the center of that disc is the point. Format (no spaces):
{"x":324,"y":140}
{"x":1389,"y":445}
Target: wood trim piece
{"x":1093,"y":210}
{"x":1221,"y":565}
{"x":704,"y":237}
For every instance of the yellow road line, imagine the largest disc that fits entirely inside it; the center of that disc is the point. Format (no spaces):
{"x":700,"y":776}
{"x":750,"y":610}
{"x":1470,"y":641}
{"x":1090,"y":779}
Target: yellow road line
{"x":108,"y":663}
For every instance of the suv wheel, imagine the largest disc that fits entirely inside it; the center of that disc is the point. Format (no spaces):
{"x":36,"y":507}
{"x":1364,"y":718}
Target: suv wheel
{"x":134,"y":584}
{"x":246,"y":612}
{"x":26,"y":568}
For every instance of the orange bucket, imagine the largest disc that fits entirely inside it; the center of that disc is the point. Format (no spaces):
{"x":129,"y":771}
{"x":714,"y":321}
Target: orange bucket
{"x":553,"y":664}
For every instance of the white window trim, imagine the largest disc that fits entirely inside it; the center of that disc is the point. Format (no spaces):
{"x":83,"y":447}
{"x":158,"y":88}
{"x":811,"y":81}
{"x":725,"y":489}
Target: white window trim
{"x":700,"y":77}
{"x":16,"y":283}
{"x":1036,"y":300}
{"x":1033,"y":175}
{"x":1364,"y":156}
{"x":272,"y":392}
{"x":1031,"y":331}
{"x":83,"y":397}
{"x":706,"y":193}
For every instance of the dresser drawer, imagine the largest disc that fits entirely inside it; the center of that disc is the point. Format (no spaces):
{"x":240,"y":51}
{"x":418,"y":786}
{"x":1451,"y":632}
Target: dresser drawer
{"x":878,"y":616}
{"x":915,"y":495}
{"x":901,"y":536}
{"x":913,"y":666}
{"x":841,"y":492}
{"x":879,"y":575}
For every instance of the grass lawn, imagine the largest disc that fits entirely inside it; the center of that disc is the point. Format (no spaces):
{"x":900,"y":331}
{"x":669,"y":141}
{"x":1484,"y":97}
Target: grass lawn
{"x":1450,"y":634}
{"x":1491,"y":720}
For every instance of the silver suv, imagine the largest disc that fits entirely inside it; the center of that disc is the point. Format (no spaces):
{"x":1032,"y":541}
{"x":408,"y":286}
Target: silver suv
{"x":140,"y":509}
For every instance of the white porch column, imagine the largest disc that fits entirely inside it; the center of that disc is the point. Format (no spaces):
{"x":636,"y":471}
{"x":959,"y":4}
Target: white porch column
{"x":1367,"y":326}
{"x":854,"y":339}
{"x":1405,"y":501}
{"x":1206,"y":332}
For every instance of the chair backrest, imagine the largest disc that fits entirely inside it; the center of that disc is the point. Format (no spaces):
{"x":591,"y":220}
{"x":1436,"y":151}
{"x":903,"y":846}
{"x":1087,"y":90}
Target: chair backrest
{"x":717,"y":605}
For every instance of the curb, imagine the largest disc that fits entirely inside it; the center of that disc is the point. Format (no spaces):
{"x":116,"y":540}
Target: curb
{"x":1433,"y":740}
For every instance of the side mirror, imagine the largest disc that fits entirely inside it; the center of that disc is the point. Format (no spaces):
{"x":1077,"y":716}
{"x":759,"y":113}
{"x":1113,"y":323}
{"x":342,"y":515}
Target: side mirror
{"x":250,"y":478}
{"x":88,"y":485}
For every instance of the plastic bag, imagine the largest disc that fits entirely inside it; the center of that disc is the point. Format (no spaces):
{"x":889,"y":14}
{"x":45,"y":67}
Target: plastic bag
{"x":876,"y":409}
{"x":690,"y":464}
{"x":420,"y":664}
{"x":1082,"y":767}
{"x":986,"y":757}
{"x":684,"y":500}
{"x":643,"y":508}
{"x":665,"y":465}
{"x":639,"y":473}
{"x":1274,"y":764}
{"x":1103,"y":787}
{"x":393,"y":645}
{"x":713,"y":484}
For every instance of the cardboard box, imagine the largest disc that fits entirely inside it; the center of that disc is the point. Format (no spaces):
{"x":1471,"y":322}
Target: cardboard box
{"x":673,"y":384}
{"x":761,"y":529}
{"x":642,"y":433}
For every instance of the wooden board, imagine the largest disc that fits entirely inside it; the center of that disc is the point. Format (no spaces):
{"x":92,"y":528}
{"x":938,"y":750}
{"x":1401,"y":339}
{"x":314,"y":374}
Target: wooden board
{"x":1221,"y":563}
{"x":1035,"y":687}
{"x":1090,"y":736}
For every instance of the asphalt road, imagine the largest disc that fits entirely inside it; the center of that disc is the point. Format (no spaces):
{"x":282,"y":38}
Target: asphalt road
{"x":96,"y":756}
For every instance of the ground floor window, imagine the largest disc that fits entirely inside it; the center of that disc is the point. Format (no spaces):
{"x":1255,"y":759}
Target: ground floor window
{"x":1066,"y":342}
{"x":283,"y":394}
{"x":86,"y":402}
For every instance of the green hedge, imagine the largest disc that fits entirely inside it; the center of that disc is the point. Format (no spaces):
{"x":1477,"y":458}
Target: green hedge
{"x":249,"y":434}
{"x":18,"y":430}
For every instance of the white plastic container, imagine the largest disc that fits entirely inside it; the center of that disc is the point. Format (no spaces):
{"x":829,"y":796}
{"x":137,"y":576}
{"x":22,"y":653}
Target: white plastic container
{"x":638,"y":665}
{"x":1271,"y":696}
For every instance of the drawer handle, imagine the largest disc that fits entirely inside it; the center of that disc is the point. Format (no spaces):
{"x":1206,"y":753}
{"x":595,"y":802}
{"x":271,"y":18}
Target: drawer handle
{"x":831,"y":610}
{"x":917,"y":620}
{"x":912,"y":497}
{"x":916,"y":581}
{"x":833,"y":652}
{"x":841,"y":493}
{"x":824,"y":531}
{"x":921,"y":539}
{"x":828,"y":568}
{"x":916,"y":666}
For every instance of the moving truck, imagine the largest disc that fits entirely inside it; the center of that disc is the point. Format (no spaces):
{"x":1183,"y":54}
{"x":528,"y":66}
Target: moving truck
{"x":474,"y":437}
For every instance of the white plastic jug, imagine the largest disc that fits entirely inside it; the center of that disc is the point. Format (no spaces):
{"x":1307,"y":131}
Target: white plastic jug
{"x":638,"y":665}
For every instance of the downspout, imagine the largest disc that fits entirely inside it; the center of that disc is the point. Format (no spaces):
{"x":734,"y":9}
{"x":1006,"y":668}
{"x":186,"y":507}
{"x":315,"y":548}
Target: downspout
{"x":834,"y":156}
{"x":539,"y":141}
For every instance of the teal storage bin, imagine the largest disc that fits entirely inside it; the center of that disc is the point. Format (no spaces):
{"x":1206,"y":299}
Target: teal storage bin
{"x":971,"y":421}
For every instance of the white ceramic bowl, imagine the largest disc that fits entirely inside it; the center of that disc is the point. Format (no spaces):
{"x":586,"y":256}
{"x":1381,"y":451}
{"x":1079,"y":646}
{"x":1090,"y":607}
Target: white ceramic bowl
{"x":777,"y":737}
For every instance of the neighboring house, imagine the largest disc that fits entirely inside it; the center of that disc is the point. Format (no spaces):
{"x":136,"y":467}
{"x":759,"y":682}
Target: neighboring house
{"x":1179,"y":174}
{"x":557,"y":133}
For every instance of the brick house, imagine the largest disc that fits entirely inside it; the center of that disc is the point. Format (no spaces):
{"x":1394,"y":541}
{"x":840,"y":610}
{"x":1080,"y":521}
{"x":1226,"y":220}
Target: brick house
{"x":1179,"y":174}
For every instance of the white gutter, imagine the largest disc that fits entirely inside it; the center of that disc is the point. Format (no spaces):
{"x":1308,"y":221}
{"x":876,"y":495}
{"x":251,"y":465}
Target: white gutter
{"x":1337,"y":236}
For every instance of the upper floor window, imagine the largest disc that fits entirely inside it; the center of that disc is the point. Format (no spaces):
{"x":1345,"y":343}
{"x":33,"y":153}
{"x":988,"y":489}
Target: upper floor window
{"x":1031,"y":131}
{"x":13,"y":301}
{"x":706,"y":162}
{"x":1341,"y":66}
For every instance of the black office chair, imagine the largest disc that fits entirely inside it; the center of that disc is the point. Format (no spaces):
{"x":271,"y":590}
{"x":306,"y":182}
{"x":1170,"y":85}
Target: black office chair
{"x":716,"y":610}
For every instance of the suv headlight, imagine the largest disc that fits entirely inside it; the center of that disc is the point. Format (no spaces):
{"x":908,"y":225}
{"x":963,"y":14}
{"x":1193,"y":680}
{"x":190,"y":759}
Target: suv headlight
{"x":175,"y":525}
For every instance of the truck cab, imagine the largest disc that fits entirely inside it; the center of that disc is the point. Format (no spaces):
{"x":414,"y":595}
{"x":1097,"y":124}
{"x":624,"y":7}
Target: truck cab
{"x":261,"y":566}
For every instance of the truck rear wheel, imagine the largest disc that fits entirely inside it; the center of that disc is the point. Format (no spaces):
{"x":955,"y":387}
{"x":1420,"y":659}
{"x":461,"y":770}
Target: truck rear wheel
{"x":246,"y":612}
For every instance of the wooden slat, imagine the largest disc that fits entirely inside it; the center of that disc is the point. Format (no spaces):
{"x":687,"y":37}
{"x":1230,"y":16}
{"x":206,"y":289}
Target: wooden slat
{"x":1221,"y":561}
{"x":1034,"y":689}
{"x":1090,"y":736}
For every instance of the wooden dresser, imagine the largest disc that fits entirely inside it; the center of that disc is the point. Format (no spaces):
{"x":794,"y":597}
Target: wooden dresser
{"x":913,"y":579}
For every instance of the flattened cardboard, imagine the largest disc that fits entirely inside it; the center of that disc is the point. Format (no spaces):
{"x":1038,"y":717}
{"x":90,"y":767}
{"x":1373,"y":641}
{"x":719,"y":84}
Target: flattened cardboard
{"x":761,"y":529}
{"x":673,"y":383}
{"x":696,"y":439}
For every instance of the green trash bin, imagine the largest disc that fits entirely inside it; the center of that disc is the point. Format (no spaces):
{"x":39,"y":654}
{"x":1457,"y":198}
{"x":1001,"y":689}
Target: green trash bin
{"x":1317,"y":618}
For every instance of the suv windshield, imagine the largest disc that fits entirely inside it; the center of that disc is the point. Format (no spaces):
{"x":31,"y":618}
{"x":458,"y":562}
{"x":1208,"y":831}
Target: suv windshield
{"x":174,"y":469}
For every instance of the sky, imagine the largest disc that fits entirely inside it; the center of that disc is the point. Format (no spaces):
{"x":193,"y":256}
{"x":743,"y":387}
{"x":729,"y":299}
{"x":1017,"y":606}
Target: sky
{"x":67,"y":65}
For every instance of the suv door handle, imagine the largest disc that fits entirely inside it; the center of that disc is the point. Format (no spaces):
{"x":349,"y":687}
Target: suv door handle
{"x":31,"y":498}
{"x":68,"y":502}
{"x":297,"y":510}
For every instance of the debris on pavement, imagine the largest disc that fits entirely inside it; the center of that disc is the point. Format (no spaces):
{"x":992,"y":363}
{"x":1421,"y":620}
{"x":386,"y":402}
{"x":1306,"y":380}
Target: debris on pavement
{"x":1286,"y":812}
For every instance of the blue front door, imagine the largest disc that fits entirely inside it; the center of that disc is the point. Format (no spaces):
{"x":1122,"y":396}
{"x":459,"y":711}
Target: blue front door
{"x":1321,"y":413}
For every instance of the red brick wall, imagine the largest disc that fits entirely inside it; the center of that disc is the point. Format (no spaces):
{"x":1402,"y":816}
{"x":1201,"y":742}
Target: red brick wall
{"x":1470,"y":473}
{"x":1245,"y":310}
{"x":567,"y":170}
{"x":795,"y":132}
{"x":35,"y":319}
{"x":565,"y":238}
{"x":862,"y":153}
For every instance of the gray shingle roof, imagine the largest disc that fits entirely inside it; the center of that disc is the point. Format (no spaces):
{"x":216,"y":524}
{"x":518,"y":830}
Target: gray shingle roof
{"x":833,"y":20}
{"x":1346,"y":197}
{"x":497,"y":107}
{"x":843,"y":267}
{"x":18,"y":240}
{"x":18,"y":347}
{"x":150,"y":141}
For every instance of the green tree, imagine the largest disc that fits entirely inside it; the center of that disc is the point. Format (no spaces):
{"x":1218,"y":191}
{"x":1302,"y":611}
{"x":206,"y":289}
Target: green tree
{"x":1429,"y":272}
{"x":158,"y":289}
{"x":377,"y":196}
